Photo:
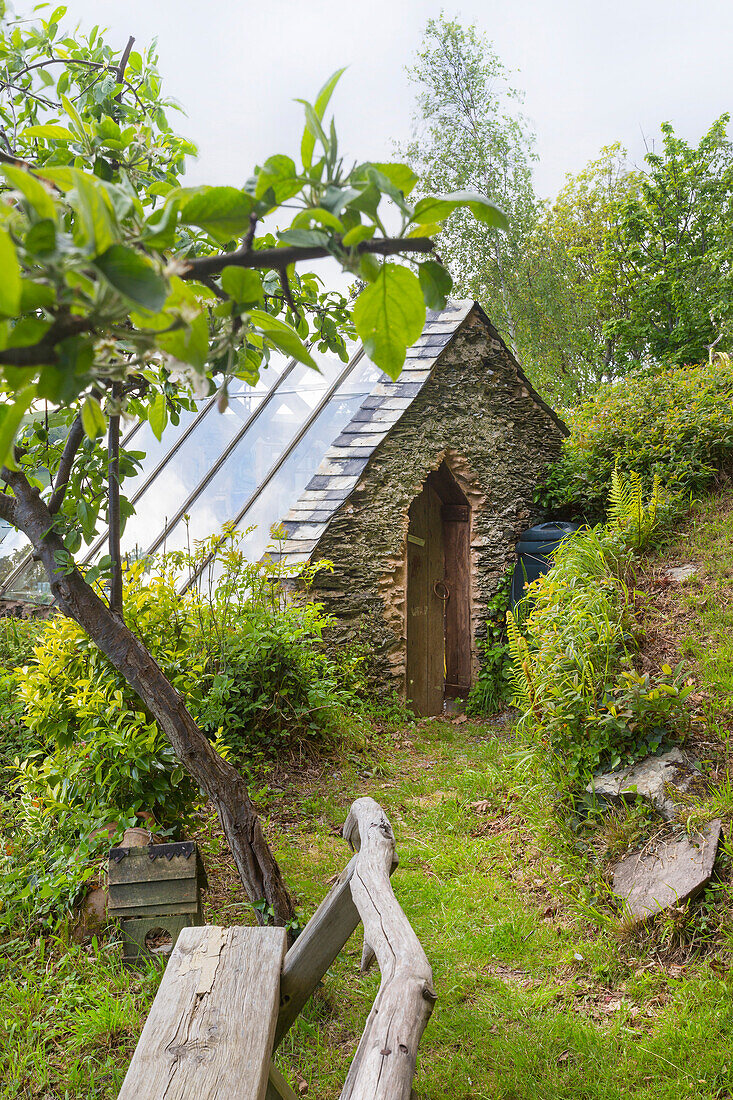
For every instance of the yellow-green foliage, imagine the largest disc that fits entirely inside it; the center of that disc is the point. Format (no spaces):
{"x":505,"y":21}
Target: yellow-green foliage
{"x":676,"y":424}
{"x":571,"y":643}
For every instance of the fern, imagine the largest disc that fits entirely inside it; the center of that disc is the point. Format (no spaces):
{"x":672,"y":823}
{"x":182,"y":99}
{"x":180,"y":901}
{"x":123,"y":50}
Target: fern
{"x":626,"y":508}
{"x":520,"y":675}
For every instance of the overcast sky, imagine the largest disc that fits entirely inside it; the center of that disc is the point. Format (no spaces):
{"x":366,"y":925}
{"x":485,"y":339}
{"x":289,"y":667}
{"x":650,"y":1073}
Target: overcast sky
{"x":593,"y":71}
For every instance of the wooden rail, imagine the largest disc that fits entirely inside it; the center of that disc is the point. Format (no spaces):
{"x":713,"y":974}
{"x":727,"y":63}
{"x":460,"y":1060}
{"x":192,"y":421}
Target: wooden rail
{"x":211,"y":1035}
{"x":384,"y":1063}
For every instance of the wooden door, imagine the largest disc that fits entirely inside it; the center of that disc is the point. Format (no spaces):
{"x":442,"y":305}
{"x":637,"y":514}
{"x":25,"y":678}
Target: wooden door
{"x":425,"y":610}
{"x":456,"y":520}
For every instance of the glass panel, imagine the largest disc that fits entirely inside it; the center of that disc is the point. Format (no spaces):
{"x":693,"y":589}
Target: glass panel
{"x":13,"y":548}
{"x":256,"y":452}
{"x":301,"y":464}
{"x":31,"y":584}
{"x":196,"y":455}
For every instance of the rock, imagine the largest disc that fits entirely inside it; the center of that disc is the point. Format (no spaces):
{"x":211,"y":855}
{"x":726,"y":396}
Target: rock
{"x":676,"y":869}
{"x":680,"y":572}
{"x":92,"y":916}
{"x":656,"y":778}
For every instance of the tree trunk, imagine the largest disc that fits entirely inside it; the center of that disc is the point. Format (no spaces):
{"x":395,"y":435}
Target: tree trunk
{"x":509,"y":317}
{"x":223,"y":784}
{"x":113,"y":506}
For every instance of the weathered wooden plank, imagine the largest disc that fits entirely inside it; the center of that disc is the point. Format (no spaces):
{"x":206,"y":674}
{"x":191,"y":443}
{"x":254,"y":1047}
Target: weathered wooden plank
{"x":384,"y":1063}
{"x":277,"y":1087}
{"x":210,"y":1031}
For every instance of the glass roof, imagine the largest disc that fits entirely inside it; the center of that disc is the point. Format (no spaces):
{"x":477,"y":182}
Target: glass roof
{"x":246,"y":466}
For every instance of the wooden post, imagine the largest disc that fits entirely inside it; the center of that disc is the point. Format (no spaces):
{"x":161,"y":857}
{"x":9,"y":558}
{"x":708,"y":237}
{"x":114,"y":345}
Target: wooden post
{"x":384,"y":1063}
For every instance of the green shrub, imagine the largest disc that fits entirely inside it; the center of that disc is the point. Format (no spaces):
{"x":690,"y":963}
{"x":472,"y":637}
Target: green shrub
{"x":17,"y":638}
{"x":492,"y":687}
{"x":273,"y":687}
{"x":572,"y":642}
{"x":676,"y":424}
{"x":252,"y":668}
{"x":268,"y":684}
{"x":103,"y":751}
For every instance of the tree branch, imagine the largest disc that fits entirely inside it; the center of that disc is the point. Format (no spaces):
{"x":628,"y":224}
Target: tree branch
{"x":7,"y":509}
{"x":73,"y":442}
{"x":37,"y":355}
{"x":267,"y":259}
{"x":113,"y":505}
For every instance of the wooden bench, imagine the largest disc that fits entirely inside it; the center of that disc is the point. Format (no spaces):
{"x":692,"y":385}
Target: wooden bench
{"x":229,"y":995}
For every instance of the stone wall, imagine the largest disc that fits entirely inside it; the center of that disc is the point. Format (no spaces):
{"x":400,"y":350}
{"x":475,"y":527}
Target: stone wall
{"x":477,"y":414}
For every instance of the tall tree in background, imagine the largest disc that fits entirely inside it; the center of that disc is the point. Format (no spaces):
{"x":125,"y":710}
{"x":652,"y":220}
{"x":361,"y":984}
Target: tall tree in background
{"x":672,"y":253}
{"x":570,"y":290}
{"x":469,"y":134}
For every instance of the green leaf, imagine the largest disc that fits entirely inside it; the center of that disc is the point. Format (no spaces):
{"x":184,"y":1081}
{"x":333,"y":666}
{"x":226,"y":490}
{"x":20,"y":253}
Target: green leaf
{"x":72,"y":541}
{"x":358,"y":234}
{"x":304,"y":238}
{"x":436,"y":284}
{"x":55,"y":133}
{"x":275,"y":169}
{"x":317,"y":214}
{"x":223,"y":212}
{"x":29,"y":330}
{"x":317,"y":112}
{"x":385,"y":185}
{"x":242,"y":285}
{"x":133,"y":276}
{"x":389,"y":316}
{"x":158,"y":415}
{"x":369,"y":267}
{"x":10,"y":287}
{"x":35,"y":296}
{"x":32,"y":189}
{"x":95,"y":227}
{"x":401,"y":175}
{"x":10,"y":420}
{"x":159,"y":230}
{"x":92,"y":418}
{"x":436,"y":208}
{"x":432,"y":229}
{"x":189,"y":339}
{"x":73,"y":115}
{"x":283,"y":336}
{"x":41,"y":237}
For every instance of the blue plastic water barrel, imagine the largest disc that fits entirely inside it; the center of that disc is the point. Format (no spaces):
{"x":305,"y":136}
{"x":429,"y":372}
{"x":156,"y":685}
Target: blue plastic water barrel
{"x":534,"y":549}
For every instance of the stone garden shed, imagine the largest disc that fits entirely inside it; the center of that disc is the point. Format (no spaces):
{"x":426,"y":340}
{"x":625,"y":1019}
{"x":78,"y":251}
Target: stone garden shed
{"x":419,"y":501}
{"x":416,"y":490}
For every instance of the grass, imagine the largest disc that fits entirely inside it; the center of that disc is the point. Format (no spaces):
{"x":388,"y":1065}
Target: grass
{"x":543,"y":991}
{"x":535,"y":998}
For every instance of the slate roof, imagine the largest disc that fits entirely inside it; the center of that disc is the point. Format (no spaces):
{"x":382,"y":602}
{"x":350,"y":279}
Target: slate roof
{"x":350,"y":452}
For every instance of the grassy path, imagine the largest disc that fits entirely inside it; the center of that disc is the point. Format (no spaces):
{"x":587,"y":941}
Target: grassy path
{"x":535,"y":1000}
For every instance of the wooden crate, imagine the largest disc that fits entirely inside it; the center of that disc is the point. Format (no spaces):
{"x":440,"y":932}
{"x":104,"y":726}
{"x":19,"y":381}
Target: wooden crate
{"x":156,"y":886}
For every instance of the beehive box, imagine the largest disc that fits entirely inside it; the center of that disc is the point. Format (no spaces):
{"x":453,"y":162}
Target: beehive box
{"x":155,"y":887}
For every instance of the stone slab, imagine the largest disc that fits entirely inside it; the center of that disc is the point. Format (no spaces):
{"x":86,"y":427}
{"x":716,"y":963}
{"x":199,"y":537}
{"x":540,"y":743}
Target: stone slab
{"x":655,"y":778}
{"x":677,"y":869}
{"x":680,"y":572}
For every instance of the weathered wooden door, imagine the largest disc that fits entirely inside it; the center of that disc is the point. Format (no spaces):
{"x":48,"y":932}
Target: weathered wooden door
{"x":425,"y":628}
{"x":438,"y":595}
